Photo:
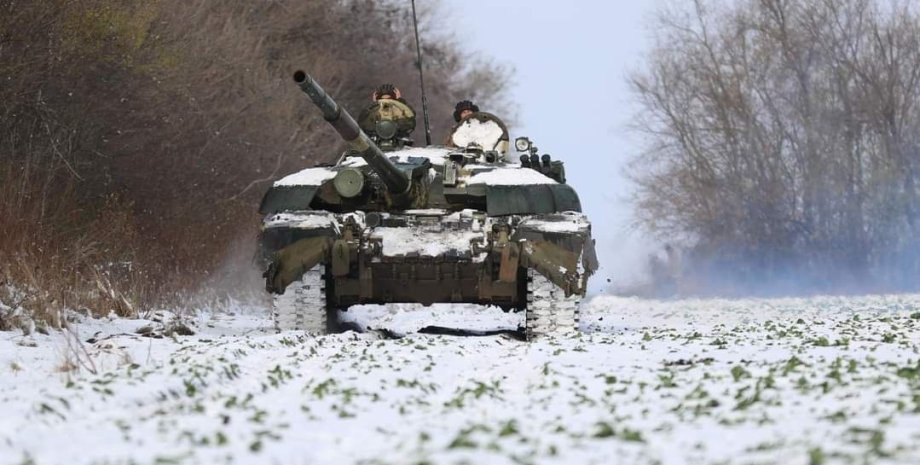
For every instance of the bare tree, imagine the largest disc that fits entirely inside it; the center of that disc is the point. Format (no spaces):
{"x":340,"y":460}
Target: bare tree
{"x":782,"y":135}
{"x":145,"y":132}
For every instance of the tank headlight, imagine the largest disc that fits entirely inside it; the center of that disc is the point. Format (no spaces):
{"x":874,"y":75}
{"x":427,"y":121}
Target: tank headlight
{"x":349,"y":182}
{"x":386,"y":129}
{"x":522,"y":144}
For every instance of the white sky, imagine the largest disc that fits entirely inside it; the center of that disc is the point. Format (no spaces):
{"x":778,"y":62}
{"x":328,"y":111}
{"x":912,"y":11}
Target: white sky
{"x":571,"y":61}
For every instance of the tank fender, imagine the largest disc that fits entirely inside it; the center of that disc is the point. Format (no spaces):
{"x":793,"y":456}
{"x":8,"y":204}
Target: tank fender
{"x":569,"y":269}
{"x":559,"y":246}
{"x":558,"y":264}
{"x":589,"y":257}
{"x":290,"y":263}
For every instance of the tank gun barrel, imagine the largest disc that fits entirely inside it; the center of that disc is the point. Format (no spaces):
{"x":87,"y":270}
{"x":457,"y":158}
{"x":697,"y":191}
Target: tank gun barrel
{"x":395,"y":179}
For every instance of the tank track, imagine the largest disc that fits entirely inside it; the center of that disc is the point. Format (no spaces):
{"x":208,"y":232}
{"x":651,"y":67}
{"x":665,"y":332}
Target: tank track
{"x":549,"y":311}
{"x":302,"y":307}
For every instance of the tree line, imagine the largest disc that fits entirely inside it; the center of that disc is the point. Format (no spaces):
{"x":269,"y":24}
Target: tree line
{"x":783,"y":141}
{"x":137,"y":137}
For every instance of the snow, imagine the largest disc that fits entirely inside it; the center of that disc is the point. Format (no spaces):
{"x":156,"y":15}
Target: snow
{"x":502,"y":176}
{"x":302,"y":220}
{"x":307,"y":177}
{"x":436,"y":155}
{"x":405,"y":319}
{"x":485,"y":134}
{"x":317,"y":176}
{"x":510,"y":177}
{"x":405,"y":241}
{"x":426,"y":212}
{"x":571,"y":224}
{"x":788,"y":381}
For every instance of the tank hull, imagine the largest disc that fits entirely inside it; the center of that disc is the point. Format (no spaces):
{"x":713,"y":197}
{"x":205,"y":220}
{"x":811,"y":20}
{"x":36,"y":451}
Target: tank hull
{"x":428,"y":257}
{"x":426,"y":281}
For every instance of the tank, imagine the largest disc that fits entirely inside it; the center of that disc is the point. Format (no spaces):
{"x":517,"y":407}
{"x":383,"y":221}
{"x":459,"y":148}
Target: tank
{"x":390,"y":222}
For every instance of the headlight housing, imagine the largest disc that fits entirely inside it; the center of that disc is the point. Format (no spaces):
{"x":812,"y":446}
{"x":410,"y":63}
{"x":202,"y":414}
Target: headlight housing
{"x":386,"y":129}
{"x":522,"y":144}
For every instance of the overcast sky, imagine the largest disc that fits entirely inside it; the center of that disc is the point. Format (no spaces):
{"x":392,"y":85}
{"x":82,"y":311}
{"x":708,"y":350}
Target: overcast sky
{"x":571,"y":61}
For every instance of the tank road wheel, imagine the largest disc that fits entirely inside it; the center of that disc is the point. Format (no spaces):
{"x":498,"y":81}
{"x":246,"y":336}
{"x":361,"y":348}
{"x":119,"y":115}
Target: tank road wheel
{"x":549,"y":311}
{"x":303,"y":307}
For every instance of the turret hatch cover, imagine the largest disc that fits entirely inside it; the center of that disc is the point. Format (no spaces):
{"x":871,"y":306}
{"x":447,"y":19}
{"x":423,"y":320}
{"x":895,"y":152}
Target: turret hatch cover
{"x":482,"y":130}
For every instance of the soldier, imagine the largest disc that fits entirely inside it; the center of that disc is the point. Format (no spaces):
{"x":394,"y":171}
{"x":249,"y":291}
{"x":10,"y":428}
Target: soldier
{"x":463,"y":109}
{"x":389,"y":119}
{"x":467,"y":130}
{"x":387,"y":91}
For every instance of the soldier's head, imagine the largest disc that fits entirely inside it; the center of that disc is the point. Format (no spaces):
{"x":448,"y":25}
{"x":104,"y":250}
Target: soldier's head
{"x":388,"y":91}
{"x":463,"y":109}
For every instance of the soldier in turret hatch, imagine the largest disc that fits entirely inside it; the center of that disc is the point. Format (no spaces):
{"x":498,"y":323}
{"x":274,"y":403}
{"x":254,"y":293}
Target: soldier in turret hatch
{"x":463,"y":109}
{"x":387,"y":91}
{"x":390,"y":119}
{"x":478,"y":129}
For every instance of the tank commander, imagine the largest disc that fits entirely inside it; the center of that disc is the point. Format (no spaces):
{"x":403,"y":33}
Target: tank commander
{"x":389,"y":119}
{"x":479,"y":129}
{"x":463,"y":109}
{"x":387,"y":91}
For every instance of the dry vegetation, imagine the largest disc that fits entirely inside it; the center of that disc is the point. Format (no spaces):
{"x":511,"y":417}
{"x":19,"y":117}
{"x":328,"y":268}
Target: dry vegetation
{"x":784,"y":141}
{"x":136,"y":137}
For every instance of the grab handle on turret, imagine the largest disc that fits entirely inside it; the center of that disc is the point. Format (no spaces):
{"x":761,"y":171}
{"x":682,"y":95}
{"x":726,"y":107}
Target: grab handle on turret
{"x":395,"y":179}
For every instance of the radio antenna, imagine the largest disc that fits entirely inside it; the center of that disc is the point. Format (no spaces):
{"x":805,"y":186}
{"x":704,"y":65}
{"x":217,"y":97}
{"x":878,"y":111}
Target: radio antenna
{"x":421,"y":76}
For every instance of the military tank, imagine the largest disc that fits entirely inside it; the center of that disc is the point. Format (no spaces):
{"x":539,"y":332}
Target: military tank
{"x":390,"y":222}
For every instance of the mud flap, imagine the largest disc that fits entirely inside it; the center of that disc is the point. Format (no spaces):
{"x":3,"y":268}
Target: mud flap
{"x":340,"y":258}
{"x":556,"y":263}
{"x":291,"y":262}
{"x":511,"y":256}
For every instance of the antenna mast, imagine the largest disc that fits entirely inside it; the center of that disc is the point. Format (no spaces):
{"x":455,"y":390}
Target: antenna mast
{"x":421,"y":76}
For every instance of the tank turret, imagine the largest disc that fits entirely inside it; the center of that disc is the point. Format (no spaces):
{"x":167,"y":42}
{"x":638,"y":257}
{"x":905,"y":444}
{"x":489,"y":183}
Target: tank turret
{"x":397,"y":181}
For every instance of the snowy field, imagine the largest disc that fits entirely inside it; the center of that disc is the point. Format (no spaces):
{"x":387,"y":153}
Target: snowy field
{"x":791,"y":381}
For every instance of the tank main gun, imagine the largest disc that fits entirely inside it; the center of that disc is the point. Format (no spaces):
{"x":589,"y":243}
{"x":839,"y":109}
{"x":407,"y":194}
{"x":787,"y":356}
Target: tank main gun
{"x":397,"y":181}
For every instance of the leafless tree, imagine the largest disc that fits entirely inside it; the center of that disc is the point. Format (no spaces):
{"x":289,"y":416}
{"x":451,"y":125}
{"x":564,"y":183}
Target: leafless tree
{"x":783,"y":135}
{"x":145,"y":132}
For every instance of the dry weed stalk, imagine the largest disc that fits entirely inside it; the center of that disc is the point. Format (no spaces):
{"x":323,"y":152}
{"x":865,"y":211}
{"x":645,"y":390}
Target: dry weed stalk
{"x":76,"y":357}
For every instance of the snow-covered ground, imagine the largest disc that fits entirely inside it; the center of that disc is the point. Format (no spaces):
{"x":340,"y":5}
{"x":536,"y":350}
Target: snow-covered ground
{"x":791,"y":381}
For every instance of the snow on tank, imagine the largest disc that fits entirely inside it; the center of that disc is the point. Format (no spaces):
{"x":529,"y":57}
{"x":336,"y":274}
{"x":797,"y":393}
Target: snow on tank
{"x":401,"y":241}
{"x":504,"y":174}
{"x":487,"y":134}
{"x":512,"y":175}
{"x":453,"y":233}
{"x":300,"y":220}
{"x":437,"y":156}
{"x":569,"y":222}
{"x":307,"y":177}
